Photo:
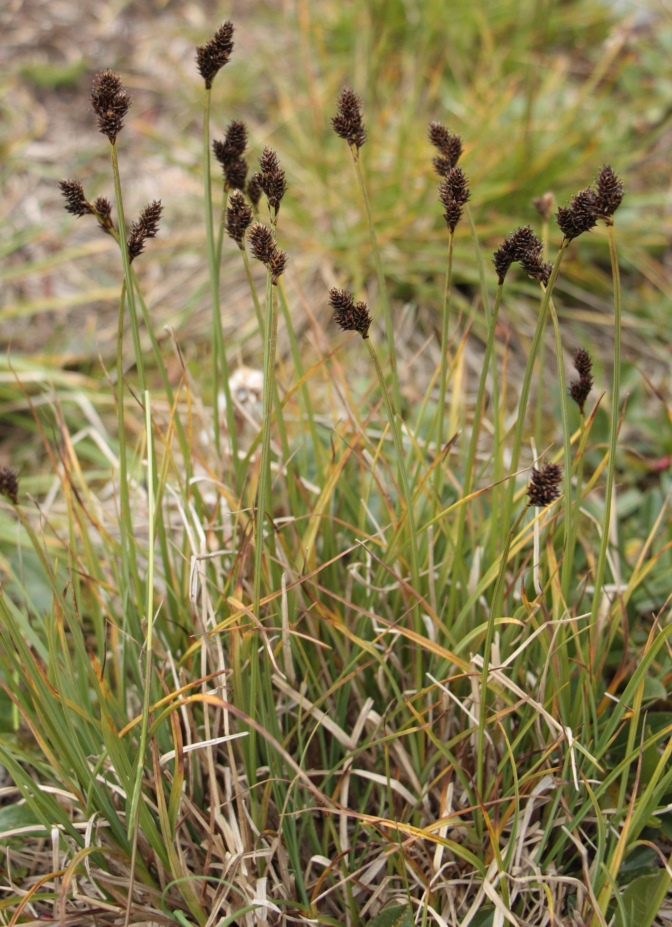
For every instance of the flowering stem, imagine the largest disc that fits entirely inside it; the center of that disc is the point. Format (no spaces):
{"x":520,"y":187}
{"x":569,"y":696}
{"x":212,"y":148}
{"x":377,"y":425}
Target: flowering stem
{"x":566,"y":564}
{"x":382,"y":287}
{"x":130,"y":292}
{"x":408,"y":500}
{"x":443,"y":376}
{"x":220,"y":366}
{"x":613,"y":435}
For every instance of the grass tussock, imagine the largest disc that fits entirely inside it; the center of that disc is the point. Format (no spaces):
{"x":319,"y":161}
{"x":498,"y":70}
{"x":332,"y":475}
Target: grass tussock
{"x":323,"y":641}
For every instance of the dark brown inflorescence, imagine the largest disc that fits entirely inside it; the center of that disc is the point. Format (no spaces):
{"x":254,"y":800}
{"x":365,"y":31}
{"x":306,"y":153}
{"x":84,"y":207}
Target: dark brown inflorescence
{"x":347,"y":122}
{"x":230,"y":152}
{"x":77,"y":204}
{"x":265,"y":250}
{"x":524,"y":247}
{"x":580,"y":216}
{"x":103,"y":209}
{"x":110,"y":102}
{"x":454,"y":193}
{"x":211,"y":57}
{"x":544,"y":486}
{"x":609,"y":193}
{"x":75,"y":201}
{"x":254,"y":191}
{"x":448,"y":145}
{"x":271,"y":179}
{"x":348,"y":315}
{"x":544,"y":205}
{"x":9,"y":484}
{"x":238,"y":217}
{"x":146,"y":226}
{"x":579,"y":389}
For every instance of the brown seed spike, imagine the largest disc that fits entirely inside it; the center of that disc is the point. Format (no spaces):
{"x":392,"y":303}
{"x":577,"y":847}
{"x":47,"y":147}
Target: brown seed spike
{"x":609,"y":193}
{"x":110,"y":102}
{"x":238,"y":217}
{"x":544,"y":205}
{"x":146,"y":226}
{"x":9,"y":484}
{"x":261,"y":242}
{"x":103,"y":209}
{"x":75,"y":201}
{"x":521,"y":244}
{"x":271,"y":179}
{"x":579,"y":389}
{"x":580,"y":216}
{"x":449,"y":146}
{"x":348,"y":315}
{"x":544,"y":486}
{"x":347,"y":123}
{"x":211,"y":57}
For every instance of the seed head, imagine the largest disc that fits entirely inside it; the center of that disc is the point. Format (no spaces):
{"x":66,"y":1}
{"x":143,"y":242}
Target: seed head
{"x":146,"y":226}
{"x":580,"y":216}
{"x":9,"y":484}
{"x":579,"y":389}
{"x":271,"y":179}
{"x":448,"y":145}
{"x":454,"y":193}
{"x":348,"y":315}
{"x":609,"y":193}
{"x":536,"y":268}
{"x":110,"y":102}
{"x":347,"y":122}
{"x":264,"y":249}
{"x":211,"y":57}
{"x":254,"y":191}
{"x":544,"y":486}
{"x":230,"y":152}
{"x":544,"y":205}
{"x":521,"y":245}
{"x":103,"y":209}
{"x":75,"y":201}
{"x":238,"y":217}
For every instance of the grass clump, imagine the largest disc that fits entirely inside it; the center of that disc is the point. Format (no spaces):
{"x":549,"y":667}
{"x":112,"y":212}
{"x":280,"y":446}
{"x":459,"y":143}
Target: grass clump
{"x":281,"y":658}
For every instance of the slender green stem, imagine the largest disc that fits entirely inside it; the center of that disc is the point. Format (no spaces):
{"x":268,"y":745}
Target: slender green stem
{"x":495,"y":612}
{"x":471,"y":456}
{"x":263,"y":500}
{"x":220,"y":366}
{"x":566,"y":570}
{"x":527,"y":381}
{"x":541,"y":392}
{"x":128,"y":562}
{"x":382,"y":286}
{"x":443,"y":375}
{"x":136,"y":797}
{"x":408,"y":500}
{"x":130,"y":292}
{"x":613,"y":434}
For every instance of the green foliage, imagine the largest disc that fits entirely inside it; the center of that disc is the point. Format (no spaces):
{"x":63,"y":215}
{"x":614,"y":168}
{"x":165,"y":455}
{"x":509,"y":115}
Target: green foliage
{"x":306,"y":650}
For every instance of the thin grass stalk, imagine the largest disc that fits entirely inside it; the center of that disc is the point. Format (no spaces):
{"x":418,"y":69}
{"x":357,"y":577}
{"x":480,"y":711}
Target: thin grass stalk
{"x":566,"y":570}
{"x":443,"y":375}
{"x":382,"y":286}
{"x":539,"y":410}
{"x":263,"y":488}
{"x":408,"y":503}
{"x":495,"y":610}
{"x":125,"y":260}
{"x":134,"y":807}
{"x":613,"y":437}
{"x":527,"y":381}
{"x":493,"y":357}
{"x":220,"y":366}
{"x":129,"y":567}
{"x":300,"y":373}
{"x":471,"y":456}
